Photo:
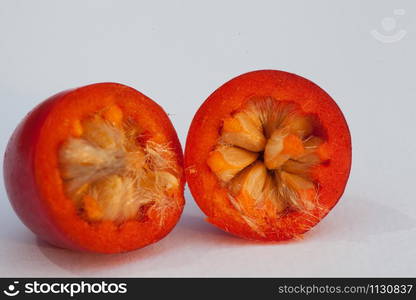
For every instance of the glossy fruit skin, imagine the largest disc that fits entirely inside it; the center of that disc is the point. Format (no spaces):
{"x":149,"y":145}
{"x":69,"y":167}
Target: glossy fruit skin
{"x":205,"y":129}
{"x":35,"y":193}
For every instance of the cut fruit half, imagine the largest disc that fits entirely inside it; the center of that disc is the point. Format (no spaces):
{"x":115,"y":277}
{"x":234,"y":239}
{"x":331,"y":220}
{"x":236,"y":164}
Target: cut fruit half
{"x":103,"y":169}
{"x":268,"y":155}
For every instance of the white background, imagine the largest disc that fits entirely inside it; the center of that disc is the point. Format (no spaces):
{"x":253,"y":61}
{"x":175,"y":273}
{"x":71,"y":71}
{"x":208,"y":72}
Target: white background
{"x":178,"y":52}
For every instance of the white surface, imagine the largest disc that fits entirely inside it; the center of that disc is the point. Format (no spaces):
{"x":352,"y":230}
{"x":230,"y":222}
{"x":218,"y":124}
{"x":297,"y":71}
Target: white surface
{"x":177,"y":53}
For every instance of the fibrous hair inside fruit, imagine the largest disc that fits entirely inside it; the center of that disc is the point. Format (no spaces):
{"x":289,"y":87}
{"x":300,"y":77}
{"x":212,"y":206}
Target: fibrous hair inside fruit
{"x":264,"y":158}
{"x":111,"y":174}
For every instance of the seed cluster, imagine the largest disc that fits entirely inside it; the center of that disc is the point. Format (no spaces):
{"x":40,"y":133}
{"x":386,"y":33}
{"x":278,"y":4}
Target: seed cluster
{"x":111,"y":176}
{"x":265,"y":155}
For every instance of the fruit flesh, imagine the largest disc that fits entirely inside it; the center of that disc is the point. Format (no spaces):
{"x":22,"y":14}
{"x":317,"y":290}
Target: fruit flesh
{"x":109,"y":175}
{"x":310,"y":159}
{"x":265,"y":151}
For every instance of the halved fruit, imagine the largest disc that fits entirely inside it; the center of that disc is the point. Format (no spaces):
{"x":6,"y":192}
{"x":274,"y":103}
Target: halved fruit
{"x":98,"y":168}
{"x":268,"y":155}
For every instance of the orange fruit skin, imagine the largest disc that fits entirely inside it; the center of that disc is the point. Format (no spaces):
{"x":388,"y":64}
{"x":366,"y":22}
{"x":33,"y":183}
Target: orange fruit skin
{"x":204,"y":132}
{"x":33,"y":181}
